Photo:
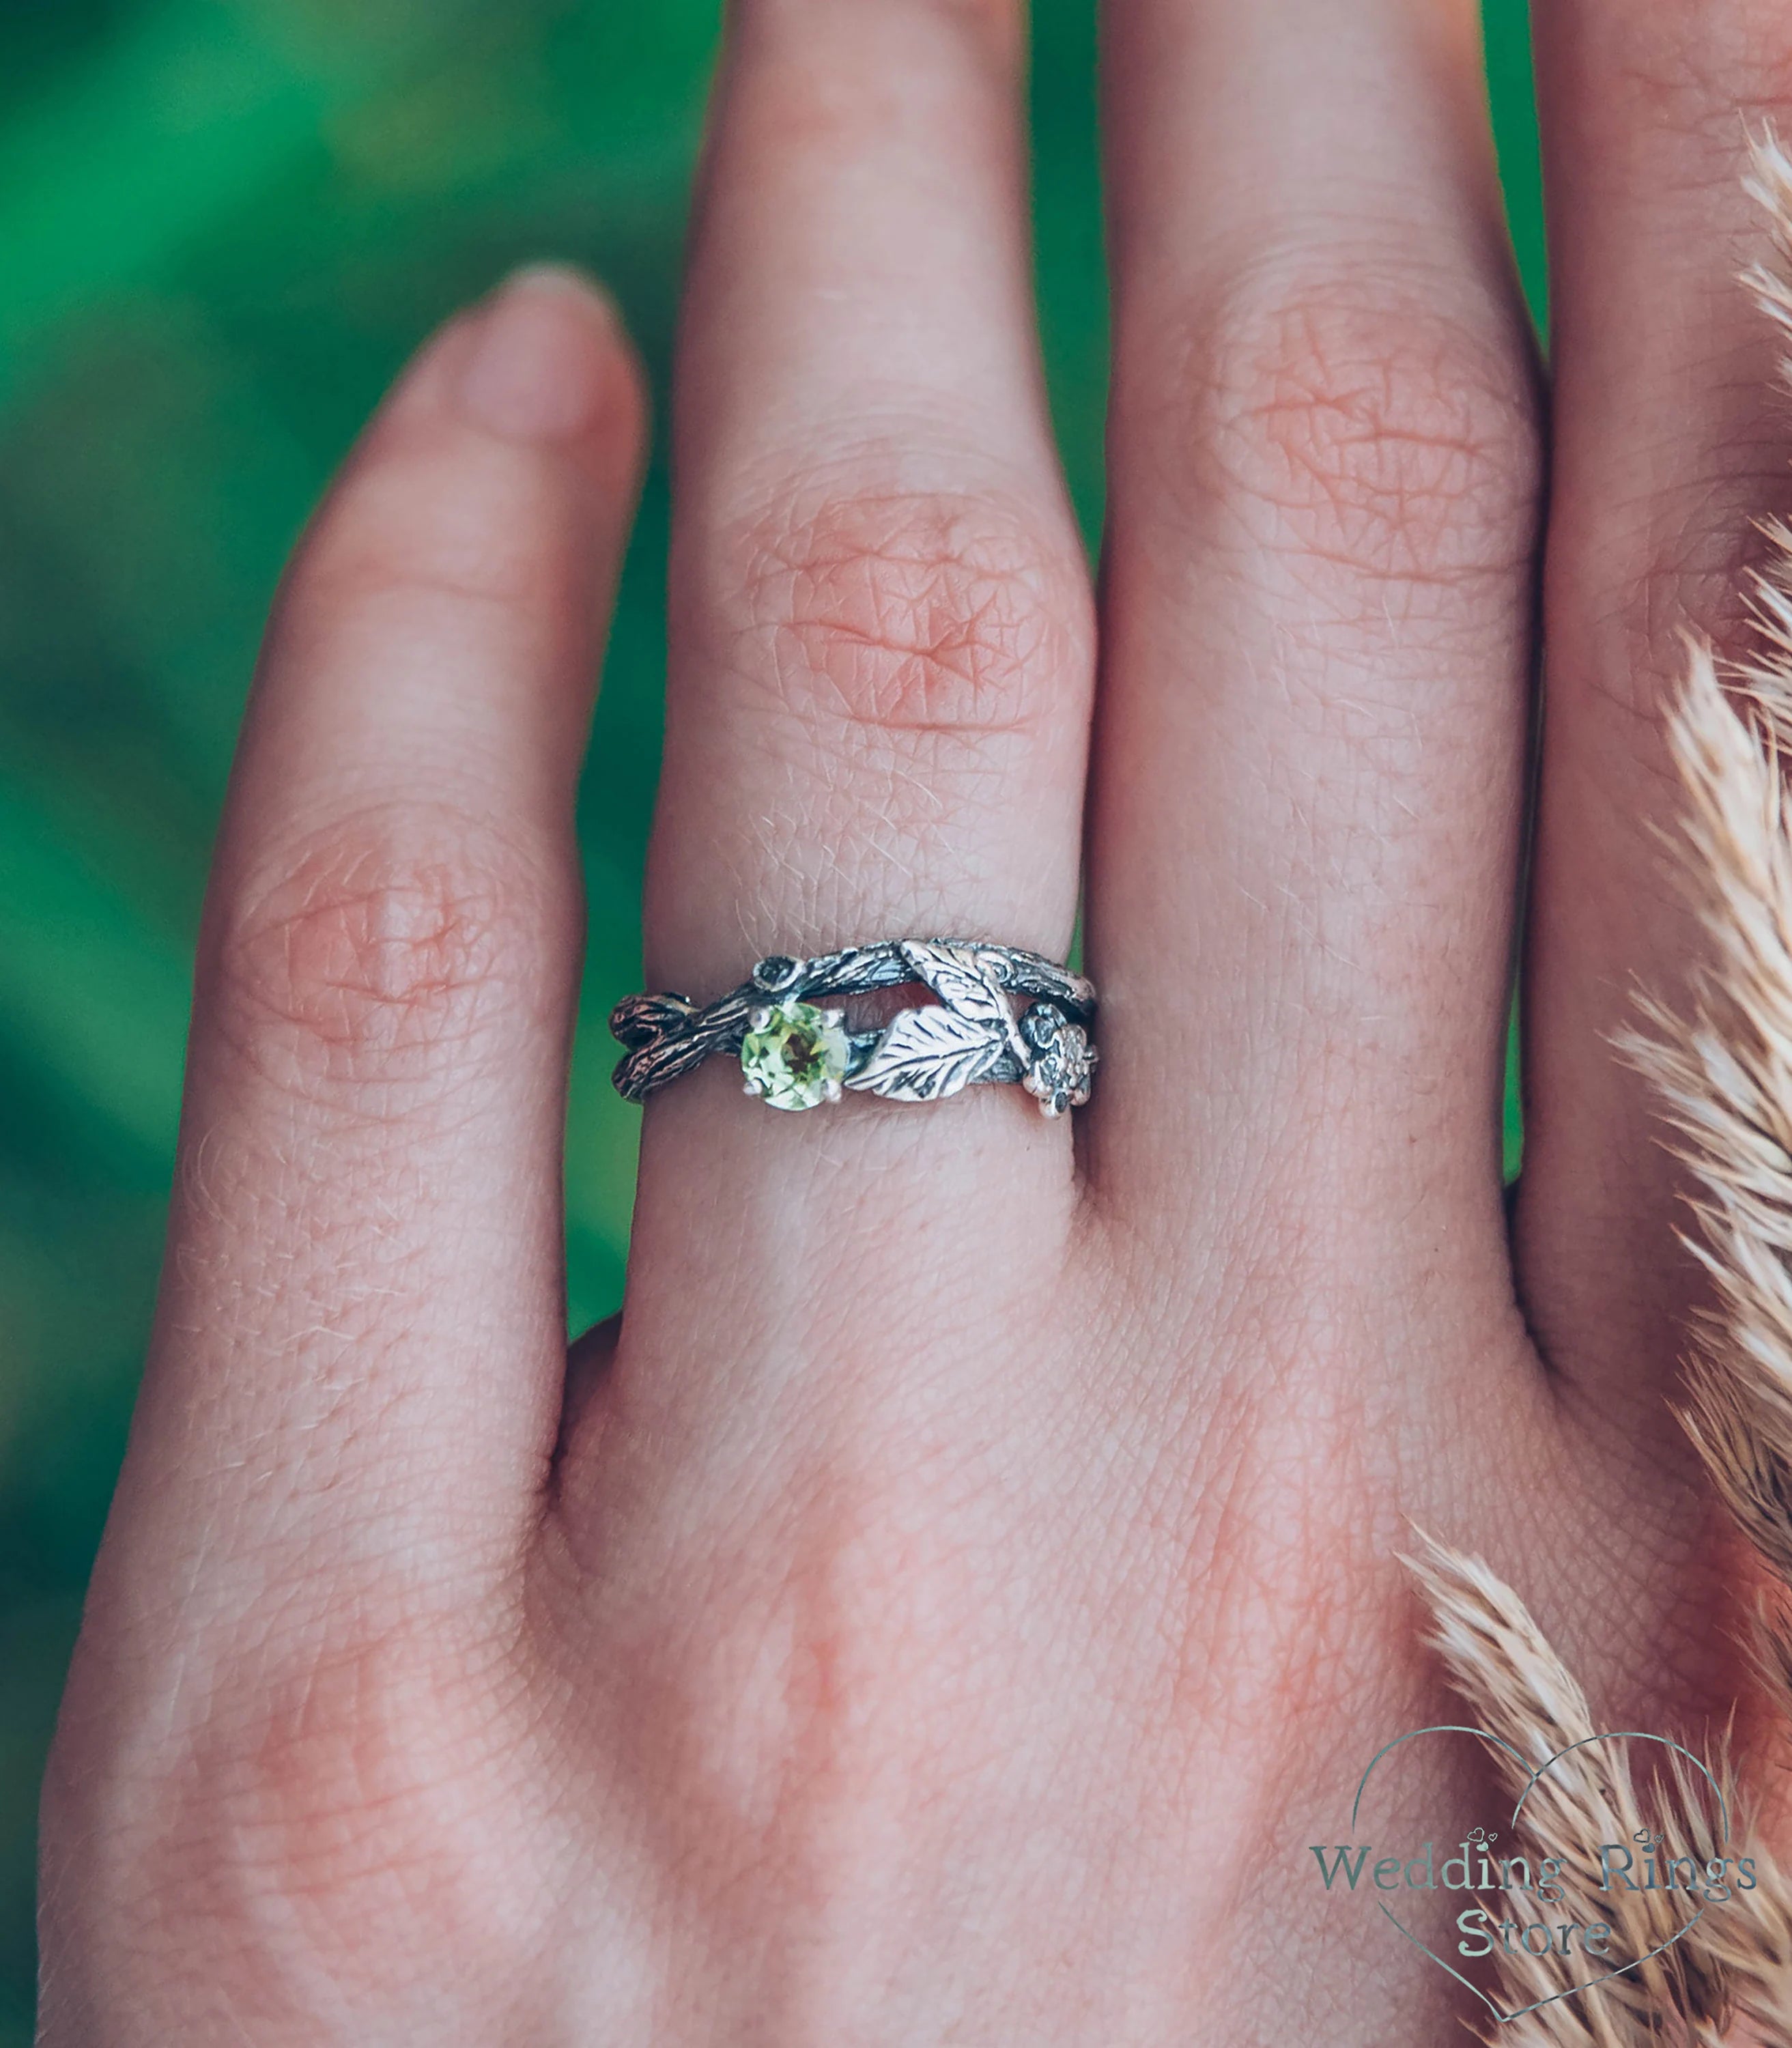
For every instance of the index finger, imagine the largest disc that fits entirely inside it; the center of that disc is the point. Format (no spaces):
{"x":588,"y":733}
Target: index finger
{"x":360,"y":1343}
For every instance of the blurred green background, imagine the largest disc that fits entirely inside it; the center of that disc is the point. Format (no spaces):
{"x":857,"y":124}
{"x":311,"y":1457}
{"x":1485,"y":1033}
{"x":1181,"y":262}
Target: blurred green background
{"x":224,"y":223}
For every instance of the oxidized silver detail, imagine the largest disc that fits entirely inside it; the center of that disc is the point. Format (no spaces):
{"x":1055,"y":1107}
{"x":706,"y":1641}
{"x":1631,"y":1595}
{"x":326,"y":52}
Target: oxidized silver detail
{"x":971,"y":1035}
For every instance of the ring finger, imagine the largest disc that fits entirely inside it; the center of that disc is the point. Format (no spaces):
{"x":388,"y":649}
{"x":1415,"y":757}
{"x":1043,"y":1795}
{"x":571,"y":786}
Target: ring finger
{"x":882,"y":656}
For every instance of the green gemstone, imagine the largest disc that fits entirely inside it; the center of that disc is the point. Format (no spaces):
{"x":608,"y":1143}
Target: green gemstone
{"x":798,"y":1060}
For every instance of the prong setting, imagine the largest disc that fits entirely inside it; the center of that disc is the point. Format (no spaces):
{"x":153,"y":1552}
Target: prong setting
{"x":794,"y":1055}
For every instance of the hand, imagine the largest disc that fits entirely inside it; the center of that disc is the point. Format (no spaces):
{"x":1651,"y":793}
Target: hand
{"x":949,"y":1605}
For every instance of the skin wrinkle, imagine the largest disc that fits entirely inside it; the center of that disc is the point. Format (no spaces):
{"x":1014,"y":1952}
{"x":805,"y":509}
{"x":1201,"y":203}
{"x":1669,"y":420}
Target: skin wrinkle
{"x":860,"y":798}
{"x":1381,"y":429}
{"x":1715,"y":68}
{"x":387,"y":935}
{"x":957,"y":600}
{"x":792,"y":859}
{"x":927,"y":764}
{"x":509,"y":587}
{"x":1664,"y":600}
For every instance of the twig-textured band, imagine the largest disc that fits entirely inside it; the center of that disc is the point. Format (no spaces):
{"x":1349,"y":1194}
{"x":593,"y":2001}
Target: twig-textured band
{"x":796,"y":1055}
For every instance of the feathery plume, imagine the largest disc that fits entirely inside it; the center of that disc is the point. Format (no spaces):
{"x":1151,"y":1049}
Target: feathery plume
{"x":1725,"y":1072}
{"x":1518,"y":1690}
{"x":1722,"y":1074}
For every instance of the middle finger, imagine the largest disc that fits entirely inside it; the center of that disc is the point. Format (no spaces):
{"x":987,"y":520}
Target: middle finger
{"x":1322,"y":507}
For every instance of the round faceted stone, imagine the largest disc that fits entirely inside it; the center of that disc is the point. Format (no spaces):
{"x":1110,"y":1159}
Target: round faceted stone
{"x":798,"y":1060}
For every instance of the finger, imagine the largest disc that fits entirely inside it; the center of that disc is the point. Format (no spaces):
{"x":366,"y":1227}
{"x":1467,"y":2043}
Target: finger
{"x":1321,"y":501}
{"x":881,"y":659}
{"x":360,"y":1349}
{"x":881,"y":654}
{"x":1670,"y":442}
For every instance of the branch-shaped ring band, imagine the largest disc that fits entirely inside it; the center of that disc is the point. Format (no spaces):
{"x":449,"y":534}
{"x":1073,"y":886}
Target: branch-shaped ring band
{"x":1001,"y":1014}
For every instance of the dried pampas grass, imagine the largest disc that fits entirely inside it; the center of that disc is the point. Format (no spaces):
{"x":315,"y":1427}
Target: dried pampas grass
{"x":1723,"y":1071}
{"x":1518,"y":1688}
{"x":1724,"y":1074}
{"x":1728,"y":1978}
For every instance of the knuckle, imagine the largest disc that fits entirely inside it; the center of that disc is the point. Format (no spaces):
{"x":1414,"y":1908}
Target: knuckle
{"x":1357,"y":424}
{"x":326,"y":1758}
{"x":910,"y":614}
{"x":350,"y":1787}
{"x":804,"y":1686}
{"x":391,"y":936}
{"x":1704,"y":64}
{"x":420,"y":529}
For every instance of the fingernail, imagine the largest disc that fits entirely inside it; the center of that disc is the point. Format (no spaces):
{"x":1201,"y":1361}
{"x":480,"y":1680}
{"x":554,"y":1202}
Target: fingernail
{"x":541,"y":356}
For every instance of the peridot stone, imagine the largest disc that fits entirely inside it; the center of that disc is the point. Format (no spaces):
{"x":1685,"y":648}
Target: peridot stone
{"x":797,"y":1060}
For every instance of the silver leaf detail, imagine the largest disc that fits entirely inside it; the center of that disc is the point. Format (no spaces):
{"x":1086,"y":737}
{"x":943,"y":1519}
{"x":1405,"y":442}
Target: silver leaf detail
{"x":966,"y":983}
{"x":927,"y":1054}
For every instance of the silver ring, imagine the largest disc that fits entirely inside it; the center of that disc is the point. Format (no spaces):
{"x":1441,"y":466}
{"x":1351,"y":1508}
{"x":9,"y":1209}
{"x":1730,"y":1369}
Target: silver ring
{"x":798,"y":1051}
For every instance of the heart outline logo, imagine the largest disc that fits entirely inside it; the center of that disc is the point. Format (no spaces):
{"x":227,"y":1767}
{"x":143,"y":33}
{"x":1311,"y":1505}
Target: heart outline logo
{"x":1501,"y":2016}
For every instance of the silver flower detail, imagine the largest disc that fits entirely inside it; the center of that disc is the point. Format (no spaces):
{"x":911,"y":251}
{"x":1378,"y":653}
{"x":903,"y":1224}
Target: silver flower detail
{"x":1061,"y":1069}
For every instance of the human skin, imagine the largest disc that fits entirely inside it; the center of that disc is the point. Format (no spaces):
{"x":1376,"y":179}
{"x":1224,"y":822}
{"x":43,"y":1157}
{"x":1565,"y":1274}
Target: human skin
{"x":947,"y":1606}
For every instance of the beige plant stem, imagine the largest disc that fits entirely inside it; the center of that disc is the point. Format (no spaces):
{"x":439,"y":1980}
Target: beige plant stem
{"x":1518,"y":1688}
